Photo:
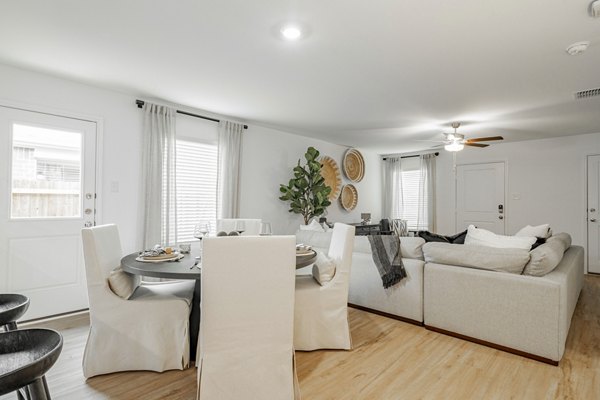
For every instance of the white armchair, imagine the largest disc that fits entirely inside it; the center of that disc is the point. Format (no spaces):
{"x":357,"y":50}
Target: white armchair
{"x":246,"y":334}
{"x":147,"y":332}
{"x":321,"y":312}
{"x":229,"y":224}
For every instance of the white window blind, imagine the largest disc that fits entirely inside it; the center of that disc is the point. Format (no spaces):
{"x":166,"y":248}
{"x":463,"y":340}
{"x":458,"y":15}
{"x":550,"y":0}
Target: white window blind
{"x":196,"y":186}
{"x":411,"y":184}
{"x":410,"y":200}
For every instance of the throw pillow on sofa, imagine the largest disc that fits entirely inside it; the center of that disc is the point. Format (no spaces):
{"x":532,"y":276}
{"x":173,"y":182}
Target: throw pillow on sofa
{"x":547,"y":256}
{"x":482,"y":237}
{"x":480,"y":257}
{"x":458,"y":238}
{"x":324,"y":269}
{"x":540,"y":231}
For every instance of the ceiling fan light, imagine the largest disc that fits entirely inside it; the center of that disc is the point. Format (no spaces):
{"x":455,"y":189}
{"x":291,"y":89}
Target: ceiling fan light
{"x":454,"y":146}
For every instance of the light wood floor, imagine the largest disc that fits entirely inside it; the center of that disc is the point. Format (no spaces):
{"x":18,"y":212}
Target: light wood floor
{"x":390,"y":360}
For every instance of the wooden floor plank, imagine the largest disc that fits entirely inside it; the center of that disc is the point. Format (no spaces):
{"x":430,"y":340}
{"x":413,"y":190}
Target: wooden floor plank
{"x":390,"y":360}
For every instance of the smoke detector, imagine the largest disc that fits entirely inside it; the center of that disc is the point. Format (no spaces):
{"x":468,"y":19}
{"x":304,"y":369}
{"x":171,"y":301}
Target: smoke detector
{"x":577,"y":48}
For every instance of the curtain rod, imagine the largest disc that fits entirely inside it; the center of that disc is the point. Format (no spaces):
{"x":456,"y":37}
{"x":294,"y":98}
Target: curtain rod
{"x":140,"y":104}
{"x":416,"y":155}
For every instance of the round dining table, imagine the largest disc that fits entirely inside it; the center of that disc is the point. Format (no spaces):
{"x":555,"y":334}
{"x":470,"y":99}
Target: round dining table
{"x":187,"y":268}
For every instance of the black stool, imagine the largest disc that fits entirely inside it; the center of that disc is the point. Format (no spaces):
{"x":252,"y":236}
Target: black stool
{"x":12,"y":307}
{"x":25,"y":357}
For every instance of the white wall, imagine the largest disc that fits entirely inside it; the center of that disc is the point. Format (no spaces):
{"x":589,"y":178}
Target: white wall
{"x":267,"y":161}
{"x":268,"y":158}
{"x":549,"y":176}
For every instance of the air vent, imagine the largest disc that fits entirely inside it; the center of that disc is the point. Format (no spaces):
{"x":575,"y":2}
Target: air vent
{"x":584,"y":94}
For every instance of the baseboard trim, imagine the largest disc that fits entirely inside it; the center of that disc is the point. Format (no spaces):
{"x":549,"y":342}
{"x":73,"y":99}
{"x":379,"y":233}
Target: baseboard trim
{"x":384,"y":314}
{"x":54,"y":317}
{"x":492,"y":345}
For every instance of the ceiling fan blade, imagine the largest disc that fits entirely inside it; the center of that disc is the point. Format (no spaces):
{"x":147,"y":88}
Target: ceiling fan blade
{"x":485,"y":139}
{"x":476,"y":144}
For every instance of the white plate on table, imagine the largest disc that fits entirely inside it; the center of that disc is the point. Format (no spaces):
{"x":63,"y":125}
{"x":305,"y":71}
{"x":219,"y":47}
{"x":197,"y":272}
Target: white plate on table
{"x":174,"y":257}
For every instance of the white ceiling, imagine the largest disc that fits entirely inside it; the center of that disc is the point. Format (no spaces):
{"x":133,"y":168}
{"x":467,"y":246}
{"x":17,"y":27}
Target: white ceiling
{"x":374,"y":74}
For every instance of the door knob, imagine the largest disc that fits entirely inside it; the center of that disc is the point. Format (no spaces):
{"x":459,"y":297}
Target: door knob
{"x":593,"y":220}
{"x":500,"y":217}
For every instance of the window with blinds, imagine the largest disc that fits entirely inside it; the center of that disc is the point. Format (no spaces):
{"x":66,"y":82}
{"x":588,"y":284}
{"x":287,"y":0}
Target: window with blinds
{"x":196,"y":186}
{"x":411,"y":177}
{"x":410,"y":200}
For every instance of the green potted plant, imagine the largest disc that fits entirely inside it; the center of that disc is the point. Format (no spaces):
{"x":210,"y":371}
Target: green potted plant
{"x":306,"y":191}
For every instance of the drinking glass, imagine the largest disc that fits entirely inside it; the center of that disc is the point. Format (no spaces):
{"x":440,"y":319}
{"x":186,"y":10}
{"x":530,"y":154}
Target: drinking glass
{"x":265,"y":229}
{"x":240,"y":226}
{"x":201,"y":229}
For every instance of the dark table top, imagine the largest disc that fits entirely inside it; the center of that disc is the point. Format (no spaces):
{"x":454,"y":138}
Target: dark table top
{"x":169,"y":269}
{"x":182,"y":269}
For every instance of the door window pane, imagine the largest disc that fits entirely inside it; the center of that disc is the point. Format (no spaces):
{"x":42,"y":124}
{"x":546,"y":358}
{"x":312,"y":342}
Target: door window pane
{"x":46,"y":173}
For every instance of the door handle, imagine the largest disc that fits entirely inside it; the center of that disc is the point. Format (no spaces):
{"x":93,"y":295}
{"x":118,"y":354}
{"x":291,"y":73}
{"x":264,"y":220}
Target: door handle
{"x":593,"y":220}
{"x":500,"y":217}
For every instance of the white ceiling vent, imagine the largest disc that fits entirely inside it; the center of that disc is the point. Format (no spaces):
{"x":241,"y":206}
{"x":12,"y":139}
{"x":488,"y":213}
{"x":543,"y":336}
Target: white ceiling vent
{"x":584,"y":94}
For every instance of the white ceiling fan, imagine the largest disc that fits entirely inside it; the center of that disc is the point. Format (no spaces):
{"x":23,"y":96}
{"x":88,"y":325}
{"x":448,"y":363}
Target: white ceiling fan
{"x":456,"y":141}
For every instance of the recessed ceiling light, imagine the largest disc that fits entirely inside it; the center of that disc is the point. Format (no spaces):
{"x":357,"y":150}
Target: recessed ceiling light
{"x":577,"y":48}
{"x":291,"y":32}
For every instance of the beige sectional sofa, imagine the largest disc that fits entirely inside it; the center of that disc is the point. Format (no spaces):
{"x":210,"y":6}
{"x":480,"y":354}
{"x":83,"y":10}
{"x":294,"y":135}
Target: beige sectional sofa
{"x":522,"y":314}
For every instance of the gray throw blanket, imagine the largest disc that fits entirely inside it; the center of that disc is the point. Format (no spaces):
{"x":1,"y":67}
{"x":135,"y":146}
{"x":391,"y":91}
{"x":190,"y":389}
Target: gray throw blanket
{"x":388,"y":258}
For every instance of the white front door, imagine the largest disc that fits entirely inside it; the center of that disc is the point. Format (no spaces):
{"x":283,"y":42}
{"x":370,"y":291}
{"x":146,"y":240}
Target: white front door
{"x":480,"y":196}
{"x":47,"y":194}
{"x":593,"y":216}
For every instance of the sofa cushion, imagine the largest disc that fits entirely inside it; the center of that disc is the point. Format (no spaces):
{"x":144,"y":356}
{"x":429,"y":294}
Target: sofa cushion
{"x":433,"y":237}
{"x":546,"y":257}
{"x":540,"y":231}
{"x":410,"y":247}
{"x":320,"y":240}
{"x":482,"y":237}
{"x":473,"y":256}
{"x":323,"y":269}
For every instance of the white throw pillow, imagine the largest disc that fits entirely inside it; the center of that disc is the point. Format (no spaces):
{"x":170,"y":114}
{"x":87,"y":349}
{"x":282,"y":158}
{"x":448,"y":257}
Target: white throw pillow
{"x":123,"y":284}
{"x":313,"y":226}
{"x":545,"y":258}
{"x":541,"y":231}
{"x":324,"y":269}
{"x":482,"y":237}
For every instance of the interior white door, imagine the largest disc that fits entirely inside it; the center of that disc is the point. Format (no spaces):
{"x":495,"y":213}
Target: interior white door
{"x":47,"y":194}
{"x":593,"y":217}
{"x":480,"y":196}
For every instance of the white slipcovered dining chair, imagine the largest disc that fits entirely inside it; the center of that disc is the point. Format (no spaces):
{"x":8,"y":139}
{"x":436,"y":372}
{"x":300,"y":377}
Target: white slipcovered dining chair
{"x":147,"y":332}
{"x":321,"y":312}
{"x":246,"y":332}
{"x":252,"y":226}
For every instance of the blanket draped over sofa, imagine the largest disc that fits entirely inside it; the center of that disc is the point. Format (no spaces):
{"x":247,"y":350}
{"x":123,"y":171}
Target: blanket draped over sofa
{"x":388,"y":258}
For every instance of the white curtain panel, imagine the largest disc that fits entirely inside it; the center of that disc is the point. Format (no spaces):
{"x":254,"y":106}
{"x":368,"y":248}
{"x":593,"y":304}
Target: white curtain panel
{"x":426,"y":210}
{"x":229,"y":167}
{"x":159,"y":185}
{"x":392,"y":188}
